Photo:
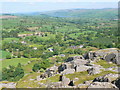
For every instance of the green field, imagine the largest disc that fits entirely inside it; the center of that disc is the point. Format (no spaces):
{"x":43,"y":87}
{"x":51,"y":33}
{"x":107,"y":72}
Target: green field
{"x":3,"y":54}
{"x":15,"y":61}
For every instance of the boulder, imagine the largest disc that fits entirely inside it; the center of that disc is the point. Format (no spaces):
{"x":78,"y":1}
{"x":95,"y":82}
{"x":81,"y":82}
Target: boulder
{"x":44,"y":75}
{"x":82,"y":68}
{"x":88,"y":82}
{"x":117,"y":82}
{"x":65,"y":81}
{"x":110,"y":55}
{"x":78,"y":62}
{"x":71,"y":83}
{"x":82,"y":86}
{"x":74,"y":58}
{"x":101,"y":85}
{"x":106,"y":78}
{"x":94,"y":70}
{"x":62,"y":68}
{"x":68,"y":71}
{"x":55,"y":85}
{"x":114,"y":69}
{"x":54,"y":68}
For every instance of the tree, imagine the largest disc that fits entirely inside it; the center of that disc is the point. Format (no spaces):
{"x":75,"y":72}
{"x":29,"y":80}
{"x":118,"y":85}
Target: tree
{"x":36,"y":67}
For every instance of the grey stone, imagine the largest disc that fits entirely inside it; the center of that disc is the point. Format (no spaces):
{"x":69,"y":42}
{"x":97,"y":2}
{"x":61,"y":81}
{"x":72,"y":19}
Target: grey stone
{"x":94,"y":70}
{"x":102,"y":85}
{"x":82,"y":68}
{"x":117,"y":82}
{"x":62,"y":68}
{"x":65,"y":81}
{"x":106,"y":78}
{"x":74,"y":58}
{"x":68,"y":71}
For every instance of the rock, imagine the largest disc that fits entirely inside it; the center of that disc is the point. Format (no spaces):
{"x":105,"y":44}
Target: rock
{"x":110,"y":55}
{"x":68,"y":71}
{"x":88,"y":82}
{"x":62,"y":68}
{"x":49,"y":73}
{"x":53,"y":69}
{"x":117,"y":82}
{"x":38,"y":78}
{"x":102,"y":85}
{"x":8,"y":85}
{"x":82,"y":68}
{"x":55,"y":85}
{"x":71,"y":83}
{"x":114,"y":69}
{"x":94,"y":70}
{"x":82,"y":86}
{"x":43,"y":76}
{"x":65,"y":81}
{"x":78,"y":62}
{"x":106,"y":78}
{"x":74,"y":58}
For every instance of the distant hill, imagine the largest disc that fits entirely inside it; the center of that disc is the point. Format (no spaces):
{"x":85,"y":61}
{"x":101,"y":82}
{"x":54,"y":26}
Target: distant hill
{"x":107,"y":13}
{"x":90,"y":13}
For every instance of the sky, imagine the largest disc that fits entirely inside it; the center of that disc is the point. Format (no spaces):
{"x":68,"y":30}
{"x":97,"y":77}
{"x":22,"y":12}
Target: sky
{"x":22,"y":6}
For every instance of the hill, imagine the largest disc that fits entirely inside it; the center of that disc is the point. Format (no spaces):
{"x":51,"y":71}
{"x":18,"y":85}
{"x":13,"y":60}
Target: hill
{"x":89,"y":13}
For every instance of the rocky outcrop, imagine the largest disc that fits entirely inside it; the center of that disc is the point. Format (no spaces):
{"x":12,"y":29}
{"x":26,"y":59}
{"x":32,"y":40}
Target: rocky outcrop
{"x":110,"y":55}
{"x":80,"y":64}
{"x":101,"y":85}
{"x":82,"y":68}
{"x":74,"y":58}
{"x":94,"y":70}
{"x":62,"y":68}
{"x":68,"y":71}
{"x":106,"y":78}
{"x":117,"y":82}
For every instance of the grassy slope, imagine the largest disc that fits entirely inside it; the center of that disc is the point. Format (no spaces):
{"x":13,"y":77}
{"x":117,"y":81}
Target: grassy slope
{"x":15,"y":61}
{"x":3,"y":54}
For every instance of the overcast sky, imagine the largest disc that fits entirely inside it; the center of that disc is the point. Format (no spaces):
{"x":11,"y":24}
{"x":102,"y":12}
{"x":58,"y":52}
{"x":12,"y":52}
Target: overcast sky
{"x":21,"y":6}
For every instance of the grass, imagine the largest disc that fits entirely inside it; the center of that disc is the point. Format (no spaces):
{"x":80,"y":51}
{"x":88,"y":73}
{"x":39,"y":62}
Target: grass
{"x":51,"y":79}
{"x":83,"y":76}
{"x":3,"y":54}
{"x":26,"y":82}
{"x":105,"y":64}
{"x":10,"y":39}
{"x":28,"y":68}
{"x":15,"y":61}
